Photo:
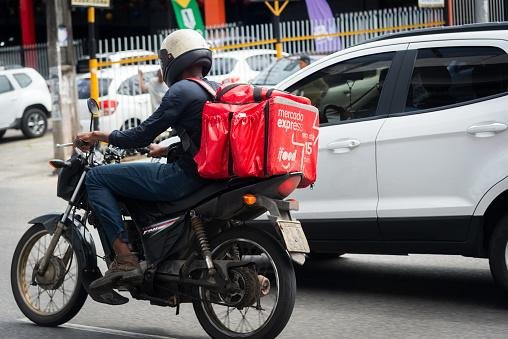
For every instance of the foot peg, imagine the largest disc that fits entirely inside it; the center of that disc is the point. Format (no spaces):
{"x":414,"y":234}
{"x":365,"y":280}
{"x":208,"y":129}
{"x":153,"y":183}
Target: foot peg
{"x":110,"y":297}
{"x":101,"y":290}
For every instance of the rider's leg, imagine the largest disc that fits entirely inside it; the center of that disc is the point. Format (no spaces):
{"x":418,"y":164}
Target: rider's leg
{"x":144,"y":181}
{"x":105,"y":206}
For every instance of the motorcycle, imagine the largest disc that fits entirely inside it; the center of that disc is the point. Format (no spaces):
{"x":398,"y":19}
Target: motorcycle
{"x":200,"y":250}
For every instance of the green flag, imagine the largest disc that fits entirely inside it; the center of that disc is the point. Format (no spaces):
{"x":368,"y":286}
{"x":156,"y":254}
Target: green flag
{"x":188,"y":15}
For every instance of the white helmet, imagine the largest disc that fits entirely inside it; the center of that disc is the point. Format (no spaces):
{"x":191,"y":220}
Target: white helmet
{"x":180,"y":50}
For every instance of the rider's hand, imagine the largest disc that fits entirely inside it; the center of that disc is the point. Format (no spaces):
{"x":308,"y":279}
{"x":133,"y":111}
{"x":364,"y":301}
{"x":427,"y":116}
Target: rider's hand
{"x":157,"y":151}
{"x":83,"y":141}
{"x":87,"y":139}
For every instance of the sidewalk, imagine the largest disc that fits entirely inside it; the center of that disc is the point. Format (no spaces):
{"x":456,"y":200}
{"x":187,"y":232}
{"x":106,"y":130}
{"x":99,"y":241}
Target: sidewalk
{"x":25,"y":159}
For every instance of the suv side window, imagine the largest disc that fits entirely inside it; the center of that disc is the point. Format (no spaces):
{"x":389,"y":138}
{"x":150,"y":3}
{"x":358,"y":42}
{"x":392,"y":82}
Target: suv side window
{"x":348,"y":90}
{"x":22,"y":79}
{"x":260,"y":62}
{"x":130,"y":86}
{"x":452,"y":75}
{"x":5,"y":84}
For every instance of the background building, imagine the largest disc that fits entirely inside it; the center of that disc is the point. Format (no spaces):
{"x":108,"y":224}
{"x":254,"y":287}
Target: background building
{"x":138,"y":17}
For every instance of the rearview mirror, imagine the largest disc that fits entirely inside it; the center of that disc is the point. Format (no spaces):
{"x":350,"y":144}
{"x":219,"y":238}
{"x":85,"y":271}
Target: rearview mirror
{"x":93,"y":107}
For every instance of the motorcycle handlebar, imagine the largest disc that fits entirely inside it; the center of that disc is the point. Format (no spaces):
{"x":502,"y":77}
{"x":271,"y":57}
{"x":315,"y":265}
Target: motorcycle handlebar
{"x":69,"y":144}
{"x":143,"y":150}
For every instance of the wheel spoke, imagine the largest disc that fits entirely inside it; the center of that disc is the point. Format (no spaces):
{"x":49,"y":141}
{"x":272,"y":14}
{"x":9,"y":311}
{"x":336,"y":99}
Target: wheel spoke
{"x":39,"y":298}
{"x":243,"y":320}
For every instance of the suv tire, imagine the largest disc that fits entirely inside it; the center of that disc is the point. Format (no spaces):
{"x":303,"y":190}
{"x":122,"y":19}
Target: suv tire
{"x":34,"y":123}
{"x":498,"y":253}
{"x":2,"y":133}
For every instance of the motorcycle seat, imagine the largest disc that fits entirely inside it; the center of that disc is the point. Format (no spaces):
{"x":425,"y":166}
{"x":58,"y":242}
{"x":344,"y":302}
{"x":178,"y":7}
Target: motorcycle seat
{"x":156,"y":210}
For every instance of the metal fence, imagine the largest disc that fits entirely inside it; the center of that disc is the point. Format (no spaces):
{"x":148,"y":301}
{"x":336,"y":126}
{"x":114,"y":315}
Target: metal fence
{"x":240,"y":52}
{"x":297,"y":36}
{"x":125,"y":104}
{"x":35,"y":56}
{"x":464,"y":11}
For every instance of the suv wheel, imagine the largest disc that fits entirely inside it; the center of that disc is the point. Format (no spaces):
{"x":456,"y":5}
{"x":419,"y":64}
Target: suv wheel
{"x":34,"y":123}
{"x":2,"y":133}
{"x":498,"y":253}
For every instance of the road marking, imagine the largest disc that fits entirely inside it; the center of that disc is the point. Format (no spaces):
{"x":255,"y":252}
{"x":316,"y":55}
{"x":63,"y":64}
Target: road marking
{"x":104,"y":330}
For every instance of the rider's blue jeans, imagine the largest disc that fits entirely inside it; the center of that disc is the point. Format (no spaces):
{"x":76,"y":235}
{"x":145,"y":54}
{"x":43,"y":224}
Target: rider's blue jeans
{"x":143,"y":181}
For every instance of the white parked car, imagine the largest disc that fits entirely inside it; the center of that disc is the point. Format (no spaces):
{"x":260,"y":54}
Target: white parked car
{"x":122,"y":103}
{"x":240,"y":66}
{"x":25,"y":102}
{"x":413,"y":146}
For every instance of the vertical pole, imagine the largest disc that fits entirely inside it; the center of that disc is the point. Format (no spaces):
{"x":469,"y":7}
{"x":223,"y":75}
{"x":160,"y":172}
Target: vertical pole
{"x":62,"y":74}
{"x":26,"y":13}
{"x":276,"y":27}
{"x":276,"y":35}
{"x":92,"y":62}
{"x":448,"y":13}
{"x":481,"y":11}
{"x":276,"y":11}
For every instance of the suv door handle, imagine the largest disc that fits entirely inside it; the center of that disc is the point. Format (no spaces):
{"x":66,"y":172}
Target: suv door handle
{"x":487,"y":129}
{"x":343,"y":145}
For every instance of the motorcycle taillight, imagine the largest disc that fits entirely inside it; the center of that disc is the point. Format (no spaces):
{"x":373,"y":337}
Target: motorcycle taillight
{"x":289,"y":185}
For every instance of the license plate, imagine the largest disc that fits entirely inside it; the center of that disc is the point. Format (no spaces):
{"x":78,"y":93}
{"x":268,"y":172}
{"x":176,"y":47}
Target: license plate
{"x":293,"y":235}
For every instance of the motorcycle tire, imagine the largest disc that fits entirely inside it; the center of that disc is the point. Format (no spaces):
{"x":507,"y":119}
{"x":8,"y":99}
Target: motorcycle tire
{"x":21,"y":291}
{"x":285,"y":301}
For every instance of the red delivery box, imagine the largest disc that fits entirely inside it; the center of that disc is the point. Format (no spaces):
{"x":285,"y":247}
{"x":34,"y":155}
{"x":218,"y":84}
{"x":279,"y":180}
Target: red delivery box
{"x":259,"y":139}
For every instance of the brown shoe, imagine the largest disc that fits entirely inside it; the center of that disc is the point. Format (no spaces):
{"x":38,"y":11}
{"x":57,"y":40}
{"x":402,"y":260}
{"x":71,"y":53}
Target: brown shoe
{"x":124,"y":270}
{"x":125,"y":260}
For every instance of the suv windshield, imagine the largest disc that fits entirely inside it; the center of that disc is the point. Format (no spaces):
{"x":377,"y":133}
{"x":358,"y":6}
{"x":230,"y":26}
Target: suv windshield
{"x":277,"y":72}
{"x":83,"y":86}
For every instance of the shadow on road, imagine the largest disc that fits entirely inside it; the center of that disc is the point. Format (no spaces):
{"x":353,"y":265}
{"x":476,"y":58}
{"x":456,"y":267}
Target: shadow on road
{"x":11,"y":139}
{"x":457,"y":285}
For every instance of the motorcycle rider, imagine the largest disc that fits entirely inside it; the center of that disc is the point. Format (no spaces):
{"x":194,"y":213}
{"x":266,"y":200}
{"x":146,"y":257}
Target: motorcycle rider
{"x":184,"y":54}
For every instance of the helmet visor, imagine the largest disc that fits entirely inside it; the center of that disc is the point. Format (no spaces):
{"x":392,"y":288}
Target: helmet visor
{"x":166,"y":59}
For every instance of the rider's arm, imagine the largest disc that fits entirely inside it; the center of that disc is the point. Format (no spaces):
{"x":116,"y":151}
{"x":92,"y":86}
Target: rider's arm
{"x":173,"y":103}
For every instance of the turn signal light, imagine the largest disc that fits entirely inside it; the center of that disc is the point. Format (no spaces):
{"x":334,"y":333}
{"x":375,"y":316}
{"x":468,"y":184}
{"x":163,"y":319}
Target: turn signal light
{"x":57,"y":163}
{"x":249,"y":199}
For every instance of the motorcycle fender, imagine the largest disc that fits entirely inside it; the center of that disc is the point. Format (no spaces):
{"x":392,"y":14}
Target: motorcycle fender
{"x":81,"y":241}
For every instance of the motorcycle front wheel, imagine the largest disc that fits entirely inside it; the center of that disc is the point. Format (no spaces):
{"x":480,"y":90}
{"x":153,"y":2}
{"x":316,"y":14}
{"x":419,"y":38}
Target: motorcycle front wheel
{"x":265,"y":291}
{"x":55,"y":297}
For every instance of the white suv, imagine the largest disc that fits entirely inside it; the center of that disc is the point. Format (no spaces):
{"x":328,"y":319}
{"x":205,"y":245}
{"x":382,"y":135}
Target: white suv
{"x":25,"y":102}
{"x":413,"y":146}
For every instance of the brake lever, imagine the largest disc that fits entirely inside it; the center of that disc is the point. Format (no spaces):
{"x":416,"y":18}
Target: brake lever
{"x":143,"y":150}
{"x":79,"y":143}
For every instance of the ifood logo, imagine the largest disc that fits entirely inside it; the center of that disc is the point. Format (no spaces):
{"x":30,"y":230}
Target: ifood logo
{"x":286,"y":156}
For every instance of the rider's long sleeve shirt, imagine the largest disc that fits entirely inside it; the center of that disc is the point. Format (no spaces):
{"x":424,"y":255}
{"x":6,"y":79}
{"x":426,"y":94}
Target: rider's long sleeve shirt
{"x":180,"y":109}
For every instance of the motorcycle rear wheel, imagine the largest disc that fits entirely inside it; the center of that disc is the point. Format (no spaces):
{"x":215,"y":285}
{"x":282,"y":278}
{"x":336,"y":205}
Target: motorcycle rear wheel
{"x":58,"y":296}
{"x":271,"y":312}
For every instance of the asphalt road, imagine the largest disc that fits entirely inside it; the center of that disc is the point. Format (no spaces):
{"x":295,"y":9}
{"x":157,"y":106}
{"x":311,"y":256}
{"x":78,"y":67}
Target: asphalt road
{"x":355,"y":296}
